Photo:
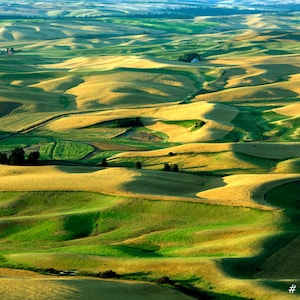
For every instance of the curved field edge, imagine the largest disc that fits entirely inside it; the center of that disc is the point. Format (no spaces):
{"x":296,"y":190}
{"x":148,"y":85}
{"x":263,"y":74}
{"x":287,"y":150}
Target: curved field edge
{"x":28,"y":286}
{"x":128,"y":245}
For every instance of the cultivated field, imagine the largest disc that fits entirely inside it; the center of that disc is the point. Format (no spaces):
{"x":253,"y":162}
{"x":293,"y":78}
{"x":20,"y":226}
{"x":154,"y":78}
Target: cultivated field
{"x":84,"y":91}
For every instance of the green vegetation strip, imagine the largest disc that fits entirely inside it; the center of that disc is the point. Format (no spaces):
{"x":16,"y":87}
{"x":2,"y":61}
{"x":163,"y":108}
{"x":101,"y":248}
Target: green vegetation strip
{"x":174,"y":26}
{"x":108,"y":225}
{"x":68,"y":150}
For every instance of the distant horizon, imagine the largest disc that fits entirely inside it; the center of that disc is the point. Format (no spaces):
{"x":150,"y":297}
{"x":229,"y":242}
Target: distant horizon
{"x":45,"y":8}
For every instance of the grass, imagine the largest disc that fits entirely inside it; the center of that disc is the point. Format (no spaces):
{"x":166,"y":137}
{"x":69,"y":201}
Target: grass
{"x":250,"y":124}
{"x":110,"y":220}
{"x":65,"y":150}
{"x":186,"y":123}
{"x":51,"y":203}
{"x":171,"y":26}
{"x":232,"y":162}
{"x":141,"y":239}
{"x":276,"y":248}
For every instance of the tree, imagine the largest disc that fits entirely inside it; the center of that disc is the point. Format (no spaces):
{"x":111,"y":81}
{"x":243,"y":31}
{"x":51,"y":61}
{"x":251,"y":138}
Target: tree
{"x":199,"y":124}
{"x":104,"y":163}
{"x":3,"y":158}
{"x":17,"y":156}
{"x":175,"y":168}
{"x":33,"y":157}
{"x":166,"y":167}
{"x":188,"y":57}
{"x":138,"y":164}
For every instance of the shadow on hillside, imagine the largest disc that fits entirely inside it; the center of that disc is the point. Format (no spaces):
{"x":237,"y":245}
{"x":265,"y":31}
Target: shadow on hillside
{"x":185,"y":287}
{"x":250,"y":124}
{"x":7,"y":107}
{"x":260,"y":164}
{"x":274,"y":261}
{"x":74,"y":167}
{"x":223,"y":172}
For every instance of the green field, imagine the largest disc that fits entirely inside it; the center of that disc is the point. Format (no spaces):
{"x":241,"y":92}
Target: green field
{"x":51,"y":225}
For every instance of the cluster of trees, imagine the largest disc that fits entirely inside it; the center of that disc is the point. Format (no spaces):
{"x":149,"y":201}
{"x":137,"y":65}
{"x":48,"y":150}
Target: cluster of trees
{"x":129,"y":122}
{"x":17,"y":157}
{"x":125,"y":122}
{"x":167,"y":167}
{"x":199,"y":124}
{"x":172,"y":167}
{"x":189,"y":57}
{"x":8,"y":51}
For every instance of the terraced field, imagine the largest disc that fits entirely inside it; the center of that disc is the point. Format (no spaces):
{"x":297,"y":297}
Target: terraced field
{"x":84,"y":91}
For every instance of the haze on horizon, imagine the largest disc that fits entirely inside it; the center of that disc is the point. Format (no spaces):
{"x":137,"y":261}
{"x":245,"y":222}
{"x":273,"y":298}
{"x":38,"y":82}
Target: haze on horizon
{"x":91,"y":8}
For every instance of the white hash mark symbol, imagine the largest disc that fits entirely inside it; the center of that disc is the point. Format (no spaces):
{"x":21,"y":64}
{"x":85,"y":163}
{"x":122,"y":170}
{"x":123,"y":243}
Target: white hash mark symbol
{"x":292,"y":288}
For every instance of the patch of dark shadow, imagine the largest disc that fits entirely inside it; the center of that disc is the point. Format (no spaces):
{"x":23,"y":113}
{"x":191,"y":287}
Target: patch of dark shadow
{"x":279,"y":70}
{"x":294,"y":36}
{"x":262,"y":102}
{"x":264,"y":164}
{"x":186,"y":287}
{"x":79,"y":225}
{"x":8,"y":107}
{"x":277,"y":52}
{"x":4,"y":135}
{"x":69,"y":167}
{"x":141,"y":135}
{"x":279,"y":259}
{"x":282,"y":34}
{"x":234,"y":72}
{"x":132,"y":276}
{"x":119,"y":123}
{"x":250,"y":124}
{"x":229,"y":171}
{"x":139,"y":250}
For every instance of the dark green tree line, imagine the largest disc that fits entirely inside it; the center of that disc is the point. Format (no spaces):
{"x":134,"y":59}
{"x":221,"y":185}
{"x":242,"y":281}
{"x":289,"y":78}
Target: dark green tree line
{"x":17,"y":157}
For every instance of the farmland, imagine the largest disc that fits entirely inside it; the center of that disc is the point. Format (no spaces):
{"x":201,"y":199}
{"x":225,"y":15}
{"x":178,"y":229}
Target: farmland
{"x":84,"y":90}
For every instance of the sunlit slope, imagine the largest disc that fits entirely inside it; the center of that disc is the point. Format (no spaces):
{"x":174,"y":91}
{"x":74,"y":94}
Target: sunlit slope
{"x":176,"y":122}
{"x":138,"y":183}
{"x":227,"y":158}
{"x":110,"y":80}
{"x":259,"y":78}
{"x":125,"y":234}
